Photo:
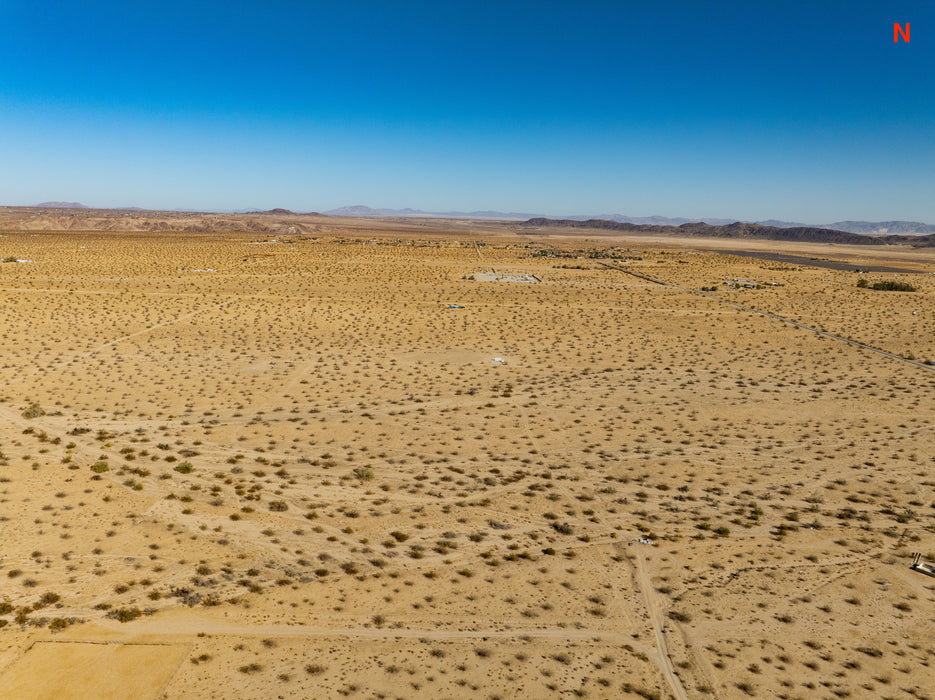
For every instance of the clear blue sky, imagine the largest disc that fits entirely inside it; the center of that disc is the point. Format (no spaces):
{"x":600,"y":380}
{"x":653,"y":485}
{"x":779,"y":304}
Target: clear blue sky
{"x":800,"y":111}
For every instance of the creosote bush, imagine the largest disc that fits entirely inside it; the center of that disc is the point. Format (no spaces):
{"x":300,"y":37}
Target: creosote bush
{"x":125,"y":614}
{"x":33,"y":411}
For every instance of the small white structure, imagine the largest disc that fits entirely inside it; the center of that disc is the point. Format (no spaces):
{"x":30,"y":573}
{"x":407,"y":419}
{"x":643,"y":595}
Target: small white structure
{"x":497,"y":361}
{"x":504,"y":277}
{"x":923,"y":567}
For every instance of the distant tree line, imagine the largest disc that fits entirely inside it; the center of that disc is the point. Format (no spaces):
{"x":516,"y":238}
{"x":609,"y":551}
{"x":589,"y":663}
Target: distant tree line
{"x":886,"y":286}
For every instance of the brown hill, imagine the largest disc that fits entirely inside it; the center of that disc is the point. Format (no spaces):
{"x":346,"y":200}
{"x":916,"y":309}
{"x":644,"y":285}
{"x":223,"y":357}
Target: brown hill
{"x":740,"y":230}
{"x":62,"y":205}
{"x":274,"y":222}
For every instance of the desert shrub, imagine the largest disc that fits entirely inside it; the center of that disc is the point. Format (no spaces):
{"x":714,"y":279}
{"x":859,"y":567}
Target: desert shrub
{"x":34,"y":411}
{"x":58,"y":624}
{"x":870,"y":651}
{"x":886,"y":286}
{"x":184,"y":467}
{"x":364,"y":473}
{"x":47,"y":598}
{"x":125,"y":614}
{"x":100,"y":467}
{"x":642,"y":692}
{"x":278,"y":506}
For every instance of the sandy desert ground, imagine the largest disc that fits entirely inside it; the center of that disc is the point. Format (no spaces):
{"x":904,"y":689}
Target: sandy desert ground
{"x":242,"y":466}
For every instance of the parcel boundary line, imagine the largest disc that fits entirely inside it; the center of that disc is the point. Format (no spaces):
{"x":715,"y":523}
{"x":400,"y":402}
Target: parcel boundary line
{"x":826,"y":334}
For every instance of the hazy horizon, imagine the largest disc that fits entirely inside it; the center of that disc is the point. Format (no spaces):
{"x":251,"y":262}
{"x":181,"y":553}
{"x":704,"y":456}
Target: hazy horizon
{"x":417,"y":211}
{"x":707,"y":111}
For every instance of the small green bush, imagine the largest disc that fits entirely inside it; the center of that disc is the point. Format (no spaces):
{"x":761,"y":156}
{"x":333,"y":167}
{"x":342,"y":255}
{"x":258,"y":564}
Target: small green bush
{"x":47,"y":598}
{"x":364,"y":473}
{"x":34,"y":411}
{"x":125,"y":614}
{"x":58,"y":624}
{"x":886,"y":286}
{"x":563,"y":528}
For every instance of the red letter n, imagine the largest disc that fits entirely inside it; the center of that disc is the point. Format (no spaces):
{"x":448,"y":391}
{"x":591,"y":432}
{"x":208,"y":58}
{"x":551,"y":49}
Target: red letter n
{"x":899,"y":31}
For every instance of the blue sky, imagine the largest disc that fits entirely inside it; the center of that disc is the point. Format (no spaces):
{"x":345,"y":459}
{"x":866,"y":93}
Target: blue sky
{"x":799,"y":111}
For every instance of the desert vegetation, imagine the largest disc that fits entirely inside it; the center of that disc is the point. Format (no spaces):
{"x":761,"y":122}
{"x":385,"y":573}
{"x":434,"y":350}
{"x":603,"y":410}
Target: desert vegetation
{"x":295,"y":457}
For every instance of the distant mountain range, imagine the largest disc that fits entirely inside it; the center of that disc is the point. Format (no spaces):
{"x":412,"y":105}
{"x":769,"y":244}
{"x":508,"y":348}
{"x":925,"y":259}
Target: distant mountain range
{"x":862,"y":227}
{"x":897,"y":227}
{"x":61,"y":205}
{"x":871,"y":228}
{"x":361,"y":210}
{"x":737,"y":229}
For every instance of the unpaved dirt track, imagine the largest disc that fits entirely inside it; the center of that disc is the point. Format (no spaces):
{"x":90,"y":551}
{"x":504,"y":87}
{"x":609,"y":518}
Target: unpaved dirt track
{"x":826,"y":334}
{"x":657,"y":616}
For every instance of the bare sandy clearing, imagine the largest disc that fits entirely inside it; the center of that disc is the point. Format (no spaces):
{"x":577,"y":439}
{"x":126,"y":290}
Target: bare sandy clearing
{"x":101,"y":670}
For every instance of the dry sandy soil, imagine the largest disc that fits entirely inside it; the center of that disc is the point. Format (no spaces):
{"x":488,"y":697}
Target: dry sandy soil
{"x":246,"y":467}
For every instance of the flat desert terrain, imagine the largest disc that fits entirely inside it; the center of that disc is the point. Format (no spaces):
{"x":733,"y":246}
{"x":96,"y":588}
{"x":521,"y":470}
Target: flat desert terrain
{"x":331,"y":463}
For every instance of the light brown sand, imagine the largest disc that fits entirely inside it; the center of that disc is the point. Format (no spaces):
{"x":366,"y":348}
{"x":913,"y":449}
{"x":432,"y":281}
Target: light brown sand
{"x":373,"y":509}
{"x":104,"y":671}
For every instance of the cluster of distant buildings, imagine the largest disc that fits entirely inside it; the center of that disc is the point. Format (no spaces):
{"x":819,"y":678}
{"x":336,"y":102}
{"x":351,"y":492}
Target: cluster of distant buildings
{"x":740,"y":283}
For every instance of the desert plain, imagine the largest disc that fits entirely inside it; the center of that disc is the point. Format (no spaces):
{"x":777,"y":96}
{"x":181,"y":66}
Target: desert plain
{"x":325,"y":461}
